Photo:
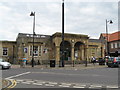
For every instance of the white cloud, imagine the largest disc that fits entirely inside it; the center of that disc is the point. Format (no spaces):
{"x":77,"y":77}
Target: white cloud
{"x":88,"y":10}
{"x":81,"y":17}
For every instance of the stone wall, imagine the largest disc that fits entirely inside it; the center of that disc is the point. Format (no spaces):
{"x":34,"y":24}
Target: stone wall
{"x":49,"y":47}
{"x":11,"y":51}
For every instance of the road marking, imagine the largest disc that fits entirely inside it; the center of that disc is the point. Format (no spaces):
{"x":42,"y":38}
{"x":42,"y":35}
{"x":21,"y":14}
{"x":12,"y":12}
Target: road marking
{"x":53,"y":83}
{"x":83,"y":85}
{"x":112,"y":87}
{"x":78,"y":87}
{"x":13,"y":84}
{"x":18,"y":75}
{"x":37,"y":83}
{"x":95,"y":86}
{"x":19,"y":80}
{"x":49,"y":85}
{"x":63,"y":86}
{"x":26,"y":82}
{"x":41,"y":82}
{"x":65,"y":83}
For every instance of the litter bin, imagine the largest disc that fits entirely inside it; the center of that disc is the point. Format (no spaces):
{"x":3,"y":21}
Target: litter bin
{"x":52,"y":63}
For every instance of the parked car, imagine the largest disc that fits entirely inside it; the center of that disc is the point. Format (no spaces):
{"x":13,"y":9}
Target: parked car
{"x":101,"y":61}
{"x":4,"y":64}
{"x":113,"y":62}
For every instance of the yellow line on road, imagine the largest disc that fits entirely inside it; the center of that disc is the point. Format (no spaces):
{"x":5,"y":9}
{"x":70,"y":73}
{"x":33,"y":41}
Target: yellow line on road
{"x":14,"y":83}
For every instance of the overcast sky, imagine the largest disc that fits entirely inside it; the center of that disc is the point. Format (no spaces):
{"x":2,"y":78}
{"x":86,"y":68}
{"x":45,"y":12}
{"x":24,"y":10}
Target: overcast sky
{"x":80,"y":17}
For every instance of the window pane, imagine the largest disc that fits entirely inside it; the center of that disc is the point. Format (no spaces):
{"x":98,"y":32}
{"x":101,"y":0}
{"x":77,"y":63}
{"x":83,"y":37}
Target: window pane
{"x":35,"y":50}
{"x":111,"y":45}
{"x":5,"y":51}
{"x":115,"y":45}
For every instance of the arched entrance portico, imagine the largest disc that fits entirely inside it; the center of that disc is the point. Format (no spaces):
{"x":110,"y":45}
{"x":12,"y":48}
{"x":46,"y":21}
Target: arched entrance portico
{"x":67,"y":50}
{"x":75,"y":47}
{"x":79,"y":50}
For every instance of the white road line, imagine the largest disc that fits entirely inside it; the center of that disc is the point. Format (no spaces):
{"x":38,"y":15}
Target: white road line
{"x":53,"y":83}
{"x":111,"y":86}
{"x":66,"y":84}
{"x":37,"y":83}
{"x":17,"y":75}
{"x":49,"y":85}
{"x":78,"y":87}
{"x":25,"y":82}
{"x":19,"y":80}
{"x":83,"y":85}
{"x":41,"y":82}
{"x":95,"y":86}
{"x":63,"y":86}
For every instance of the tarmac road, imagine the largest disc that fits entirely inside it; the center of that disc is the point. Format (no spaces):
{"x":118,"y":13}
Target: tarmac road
{"x":97,"y":77}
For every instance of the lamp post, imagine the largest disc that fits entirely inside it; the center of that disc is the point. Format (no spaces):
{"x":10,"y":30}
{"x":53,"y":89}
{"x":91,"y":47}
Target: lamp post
{"x":107,"y":42}
{"x":33,"y":14}
{"x":63,"y":33}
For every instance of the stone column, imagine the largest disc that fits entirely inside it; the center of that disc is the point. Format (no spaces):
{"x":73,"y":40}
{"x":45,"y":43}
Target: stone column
{"x":72,"y":53}
{"x":103,"y":55}
{"x":86,"y":52}
{"x":79,"y":54}
{"x":57,"y":56}
{"x":82,"y":52}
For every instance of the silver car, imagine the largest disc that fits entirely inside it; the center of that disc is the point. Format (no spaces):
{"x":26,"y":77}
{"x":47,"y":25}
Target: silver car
{"x":4,"y":64}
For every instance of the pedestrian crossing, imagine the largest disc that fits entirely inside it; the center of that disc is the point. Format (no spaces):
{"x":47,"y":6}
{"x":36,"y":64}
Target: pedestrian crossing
{"x":61,"y":84}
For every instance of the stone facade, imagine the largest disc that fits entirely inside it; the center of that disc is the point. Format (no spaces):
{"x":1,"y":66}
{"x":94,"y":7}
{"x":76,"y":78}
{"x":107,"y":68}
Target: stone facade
{"x":9,"y":52}
{"x":96,"y":48}
{"x":78,"y":47}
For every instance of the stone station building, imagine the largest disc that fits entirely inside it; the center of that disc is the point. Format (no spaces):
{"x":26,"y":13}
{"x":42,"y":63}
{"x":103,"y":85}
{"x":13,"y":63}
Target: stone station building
{"x":78,"y":47}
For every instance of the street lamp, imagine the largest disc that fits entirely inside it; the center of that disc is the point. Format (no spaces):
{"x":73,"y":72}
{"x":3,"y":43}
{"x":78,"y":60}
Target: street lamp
{"x":63,"y":33}
{"x":107,"y":38}
{"x":33,"y":14}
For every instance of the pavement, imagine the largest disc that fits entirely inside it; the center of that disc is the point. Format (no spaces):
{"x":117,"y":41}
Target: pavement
{"x":76,"y":66}
{"x":10,"y":83}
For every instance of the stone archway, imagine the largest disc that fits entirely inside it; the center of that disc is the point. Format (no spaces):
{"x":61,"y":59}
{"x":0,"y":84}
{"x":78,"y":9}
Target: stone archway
{"x":67,"y":50}
{"x":79,"y":51}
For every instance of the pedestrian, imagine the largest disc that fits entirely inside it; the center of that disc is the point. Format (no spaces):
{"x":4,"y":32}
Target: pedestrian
{"x":24,"y":62}
{"x":93,"y":60}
